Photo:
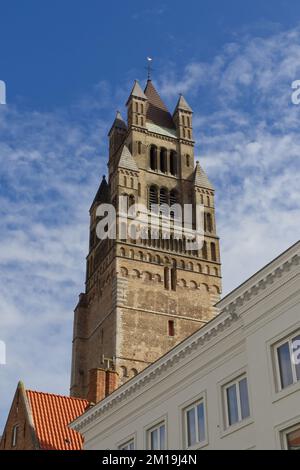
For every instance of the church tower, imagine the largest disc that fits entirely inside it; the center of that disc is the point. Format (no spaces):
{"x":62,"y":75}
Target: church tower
{"x":144,"y":296}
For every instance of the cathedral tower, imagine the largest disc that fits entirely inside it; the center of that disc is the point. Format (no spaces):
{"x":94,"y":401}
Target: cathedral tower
{"x":142,"y":297}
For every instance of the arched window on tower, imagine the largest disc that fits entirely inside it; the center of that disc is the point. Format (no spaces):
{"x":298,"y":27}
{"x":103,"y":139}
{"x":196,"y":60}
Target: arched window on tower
{"x":213,"y":252}
{"x":153,"y":157}
{"x":204,"y":250}
{"x":131,"y":200}
{"x":163,"y":160}
{"x":173,"y":163}
{"x":209,"y":223}
{"x":173,"y":197}
{"x":153,"y":196}
{"x":137,"y":107}
{"x":163,"y":196}
{"x":188,"y":160}
{"x":173,"y":278}
{"x":139,"y":148}
{"x":164,"y":200}
{"x":166,"y":277}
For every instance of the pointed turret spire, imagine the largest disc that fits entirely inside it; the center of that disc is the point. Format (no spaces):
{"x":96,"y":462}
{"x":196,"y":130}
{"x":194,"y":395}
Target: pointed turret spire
{"x":136,"y":92}
{"x":126,"y":160}
{"x":118,"y":123}
{"x":201,"y":179}
{"x":103,"y":193}
{"x":182,"y":105}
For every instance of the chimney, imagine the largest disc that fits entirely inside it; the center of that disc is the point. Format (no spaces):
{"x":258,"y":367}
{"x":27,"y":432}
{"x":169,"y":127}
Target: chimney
{"x":112,"y":381}
{"x":102,"y":382}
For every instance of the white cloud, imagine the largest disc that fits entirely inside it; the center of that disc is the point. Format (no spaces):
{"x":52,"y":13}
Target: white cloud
{"x":51,"y":163}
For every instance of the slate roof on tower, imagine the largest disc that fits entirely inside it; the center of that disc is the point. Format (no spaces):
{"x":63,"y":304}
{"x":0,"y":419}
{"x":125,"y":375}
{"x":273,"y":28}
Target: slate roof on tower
{"x":157,"y":111}
{"x":118,"y":123}
{"x":126,"y":160}
{"x":103,"y":193}
{"x":137,"y":92}
{"x":183,"y":105}
{"x":201,"y":179}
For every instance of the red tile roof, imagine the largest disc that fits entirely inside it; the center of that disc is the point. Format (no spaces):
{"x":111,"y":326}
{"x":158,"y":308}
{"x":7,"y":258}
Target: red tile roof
{"x":51,"y":416}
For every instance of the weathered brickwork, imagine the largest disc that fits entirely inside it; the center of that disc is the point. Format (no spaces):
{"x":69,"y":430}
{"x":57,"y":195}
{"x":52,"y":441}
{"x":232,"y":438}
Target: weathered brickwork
{"x":18,"y":422}
{"x":144,"y":296}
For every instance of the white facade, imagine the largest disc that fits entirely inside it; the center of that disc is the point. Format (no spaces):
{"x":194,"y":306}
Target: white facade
{"x":201,"y":386}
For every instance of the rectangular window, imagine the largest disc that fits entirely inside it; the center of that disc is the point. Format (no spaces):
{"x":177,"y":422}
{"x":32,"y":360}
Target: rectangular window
{"x":167,"y":278}
{"x":157,"y":437}
{"x":291,"y":438}
{"x":194,"y":418}
{"x":287,"y":356}
{"x":129,"y":445}
{"x":171,"y":328}
{"x":236,"y":401}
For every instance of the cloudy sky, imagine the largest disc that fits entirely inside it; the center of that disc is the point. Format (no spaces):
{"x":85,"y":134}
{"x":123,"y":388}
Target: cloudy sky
{"x":67,"y":69}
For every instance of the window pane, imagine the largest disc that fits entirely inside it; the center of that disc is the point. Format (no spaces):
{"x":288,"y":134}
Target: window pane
{"x":201,"y":422}
{"x":245,"y":410}
{"x":296,"y":355}
{"x":162,"y":431}
{"x":233,"y":415}
{"x":128,"y":446}
{"x":285,"y":366}
{"x":154,"y":439}
{"x":293,"y":440}
{"x":191,"y":427}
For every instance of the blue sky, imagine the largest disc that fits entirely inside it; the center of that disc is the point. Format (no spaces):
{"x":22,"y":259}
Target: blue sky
{"x":68,"y":65}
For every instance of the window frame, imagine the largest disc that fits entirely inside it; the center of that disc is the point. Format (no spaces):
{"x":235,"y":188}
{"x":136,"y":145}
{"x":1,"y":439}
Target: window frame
{"x":126,"y":443}
{"x":193,"y":405}
{"x":287,"y":339}
{"x":236,"y":381}
{"x":155,"y":427}
{"x":284,"y":435}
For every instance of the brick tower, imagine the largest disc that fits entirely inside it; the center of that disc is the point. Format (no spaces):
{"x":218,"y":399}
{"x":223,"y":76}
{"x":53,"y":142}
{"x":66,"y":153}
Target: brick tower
{"x":142,"y":297}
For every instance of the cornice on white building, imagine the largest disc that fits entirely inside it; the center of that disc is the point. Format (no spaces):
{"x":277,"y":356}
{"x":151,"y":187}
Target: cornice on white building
{"x":231,"y":308}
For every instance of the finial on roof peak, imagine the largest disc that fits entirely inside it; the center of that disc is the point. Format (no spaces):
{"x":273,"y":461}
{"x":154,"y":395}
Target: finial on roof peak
{"x":149,"y":68}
